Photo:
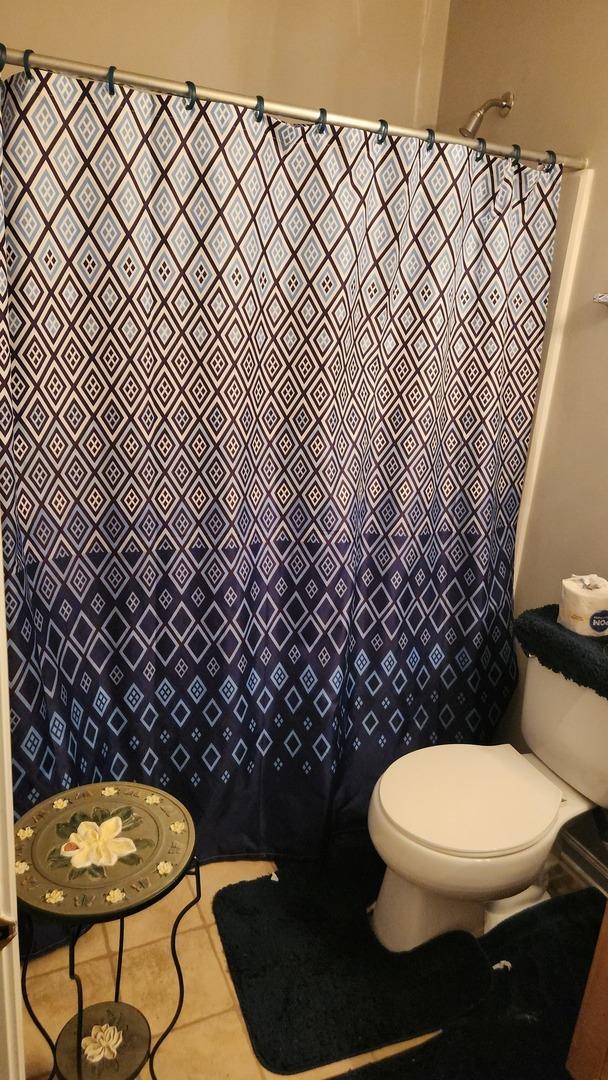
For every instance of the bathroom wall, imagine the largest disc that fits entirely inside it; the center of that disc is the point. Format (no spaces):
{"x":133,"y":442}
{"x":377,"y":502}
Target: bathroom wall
{"x":356,"y":57}
{"x":553,"y":55}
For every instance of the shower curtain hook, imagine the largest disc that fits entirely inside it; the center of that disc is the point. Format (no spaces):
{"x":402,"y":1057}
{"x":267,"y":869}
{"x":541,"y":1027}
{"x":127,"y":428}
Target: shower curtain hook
{"x":516,"y":153}
{"x":258,"y":112}
{"x":322,"y":122}
{"x":382,"y":132}
{"x":110,"y":78}
{"x":26,"y":63}
{"x":481,"y":149}
{"x":2,"y":56}
{"x":191,"y":95}
{"x":550,"y":165}
{"x":430,"y":138}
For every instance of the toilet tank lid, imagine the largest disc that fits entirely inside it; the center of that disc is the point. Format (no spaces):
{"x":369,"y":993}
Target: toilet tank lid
{"x":469,"y":800}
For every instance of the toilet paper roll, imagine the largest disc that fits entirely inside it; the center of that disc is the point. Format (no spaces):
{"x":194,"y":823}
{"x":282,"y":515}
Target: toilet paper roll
{"x":583,"y":605}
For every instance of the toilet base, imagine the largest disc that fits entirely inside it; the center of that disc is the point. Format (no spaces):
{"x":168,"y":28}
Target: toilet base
{"x":497,"y":910}
{"x":405,"y":916}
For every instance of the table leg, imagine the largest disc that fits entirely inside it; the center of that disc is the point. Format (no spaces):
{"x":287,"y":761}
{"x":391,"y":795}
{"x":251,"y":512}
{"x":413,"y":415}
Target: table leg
{"x":194,"y":870}
{"x":121,"y":945}
{"x":74,"y":935}
{"x":29,"y":943}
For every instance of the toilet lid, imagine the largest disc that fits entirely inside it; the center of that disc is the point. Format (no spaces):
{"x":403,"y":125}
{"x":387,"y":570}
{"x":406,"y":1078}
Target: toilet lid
{"x":469,"y":800}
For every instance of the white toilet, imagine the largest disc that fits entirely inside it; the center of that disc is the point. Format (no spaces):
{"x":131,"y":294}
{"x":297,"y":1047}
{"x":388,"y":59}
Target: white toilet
{"x":465,"y":831}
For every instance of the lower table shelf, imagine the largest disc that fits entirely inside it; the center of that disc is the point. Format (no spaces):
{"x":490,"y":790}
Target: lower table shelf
{"x":120,"y":1038}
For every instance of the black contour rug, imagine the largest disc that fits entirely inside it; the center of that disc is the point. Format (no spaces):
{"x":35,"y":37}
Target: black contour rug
{"x":313,"y":983}
{"x":522,"y":1030}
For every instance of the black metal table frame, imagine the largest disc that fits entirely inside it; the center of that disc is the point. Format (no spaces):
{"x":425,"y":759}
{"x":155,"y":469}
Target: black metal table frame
{"x":192,"y":869}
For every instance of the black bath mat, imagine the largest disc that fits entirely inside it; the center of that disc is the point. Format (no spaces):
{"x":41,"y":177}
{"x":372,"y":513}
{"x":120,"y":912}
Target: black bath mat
{"x":313,"y":983}
{"x":522,"y":1029}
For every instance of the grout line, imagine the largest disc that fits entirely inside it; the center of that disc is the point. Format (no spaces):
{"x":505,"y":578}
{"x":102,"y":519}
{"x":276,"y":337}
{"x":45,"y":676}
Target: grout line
{"x":213,"y":1016}
{"x":167,"y":937}
{"x":155,"y":940}
{"x":63,"y":967}
{"x":224,"y":974}
{"x":32,"y":972}
{"x":247,"y":1037}
{"x":106,"y":938}
{"x":112,"y":959}
{"x":180,"y":938}
{"x":191,"y":1023}
{"x":235,"y":997}
{"x":246,"y":1033}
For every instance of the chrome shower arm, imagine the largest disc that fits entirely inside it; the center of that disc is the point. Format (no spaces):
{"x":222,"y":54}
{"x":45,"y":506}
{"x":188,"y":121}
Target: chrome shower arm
{"x":504,"y":104}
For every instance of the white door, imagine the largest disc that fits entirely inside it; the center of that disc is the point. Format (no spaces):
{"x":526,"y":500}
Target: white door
{"x":11,"y":1035}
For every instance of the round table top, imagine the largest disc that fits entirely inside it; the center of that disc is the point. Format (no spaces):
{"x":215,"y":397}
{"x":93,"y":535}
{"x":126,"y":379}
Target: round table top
{"x":101,"y":851}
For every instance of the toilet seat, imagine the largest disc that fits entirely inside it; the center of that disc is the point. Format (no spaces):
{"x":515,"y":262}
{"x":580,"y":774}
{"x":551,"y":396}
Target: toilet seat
{"x":473,"y":801}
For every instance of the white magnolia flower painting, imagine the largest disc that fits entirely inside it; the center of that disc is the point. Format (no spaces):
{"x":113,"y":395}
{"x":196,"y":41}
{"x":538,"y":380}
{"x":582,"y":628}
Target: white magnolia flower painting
{"x":103,"y":1043}
{"x":97,"y":845}
{"x":94,"y":841}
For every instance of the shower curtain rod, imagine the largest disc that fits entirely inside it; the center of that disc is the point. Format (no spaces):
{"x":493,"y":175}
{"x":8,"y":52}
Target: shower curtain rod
{"x":19,"y":58}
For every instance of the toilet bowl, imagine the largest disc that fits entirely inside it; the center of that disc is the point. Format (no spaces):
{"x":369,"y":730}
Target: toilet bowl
{"x":459,"y":826}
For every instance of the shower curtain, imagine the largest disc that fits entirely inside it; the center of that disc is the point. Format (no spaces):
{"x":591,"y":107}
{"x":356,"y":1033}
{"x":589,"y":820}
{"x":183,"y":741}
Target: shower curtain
{"x":266,"y":402}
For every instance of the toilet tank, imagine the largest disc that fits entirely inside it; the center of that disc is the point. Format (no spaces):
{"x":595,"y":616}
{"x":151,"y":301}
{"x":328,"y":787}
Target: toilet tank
{"x":566,"y":726}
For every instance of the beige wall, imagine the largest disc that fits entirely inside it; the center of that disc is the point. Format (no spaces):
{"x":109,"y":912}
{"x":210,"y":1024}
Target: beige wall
{"x":552,"y":53}
{"x":358,"y":57}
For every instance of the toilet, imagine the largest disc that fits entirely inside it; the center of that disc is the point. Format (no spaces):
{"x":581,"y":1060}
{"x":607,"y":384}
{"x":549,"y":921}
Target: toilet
{"x":466,"y":831}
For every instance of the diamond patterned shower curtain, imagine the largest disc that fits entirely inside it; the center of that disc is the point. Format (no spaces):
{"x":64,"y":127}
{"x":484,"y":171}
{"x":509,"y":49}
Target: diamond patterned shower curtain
{"x":267,"y":396}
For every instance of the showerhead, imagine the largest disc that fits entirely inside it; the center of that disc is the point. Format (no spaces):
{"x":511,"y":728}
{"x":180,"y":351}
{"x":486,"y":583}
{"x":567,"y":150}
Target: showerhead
{"x":504,"y":104}
{"x":470,"y":129}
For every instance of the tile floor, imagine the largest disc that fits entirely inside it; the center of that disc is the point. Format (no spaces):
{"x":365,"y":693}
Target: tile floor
{"x":211,"y":1039}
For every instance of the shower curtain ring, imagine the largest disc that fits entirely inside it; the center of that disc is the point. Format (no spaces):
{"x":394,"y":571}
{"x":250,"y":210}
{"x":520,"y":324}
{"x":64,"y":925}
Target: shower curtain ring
{"x":481,"y":149}
{"x":2,"y":56}
{"x":110,"y":78}
{"x":430,"y":138}
{"x":258,"y":112}
{"x":550,"y":165}
{"x":382,"y":132}
{"x":516,"y":153}
{"x":322,"y":121}
{"x":26,"y":63}
{"x":191,"y":95}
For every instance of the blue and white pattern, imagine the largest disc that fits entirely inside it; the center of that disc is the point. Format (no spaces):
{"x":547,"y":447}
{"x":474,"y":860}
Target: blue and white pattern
{"x":266,"y":402}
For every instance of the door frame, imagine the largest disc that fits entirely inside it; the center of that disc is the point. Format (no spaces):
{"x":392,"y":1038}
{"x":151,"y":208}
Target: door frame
{"x":12,"y":1058}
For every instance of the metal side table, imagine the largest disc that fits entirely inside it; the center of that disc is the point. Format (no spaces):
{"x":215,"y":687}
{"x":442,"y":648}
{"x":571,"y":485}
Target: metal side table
{"x":93,"y":854}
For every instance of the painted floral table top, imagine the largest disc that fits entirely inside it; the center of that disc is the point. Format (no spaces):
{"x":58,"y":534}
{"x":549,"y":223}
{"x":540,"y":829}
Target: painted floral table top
{"x":102,"y":850}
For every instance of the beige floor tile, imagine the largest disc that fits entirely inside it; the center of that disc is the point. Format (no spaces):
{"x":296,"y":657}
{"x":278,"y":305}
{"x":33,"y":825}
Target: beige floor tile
{"x":397,"y":1048}
{"x":325,"y":1072}
{"x":218,"y":874}
{"x":149,"y":981}
{"x":218,"y":948}
{"x":214,"y":1048}
{"x":156,"y":922}
{"x":89,"y":947}
{"x":216,"y":941}
{"x":53,"y":997}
